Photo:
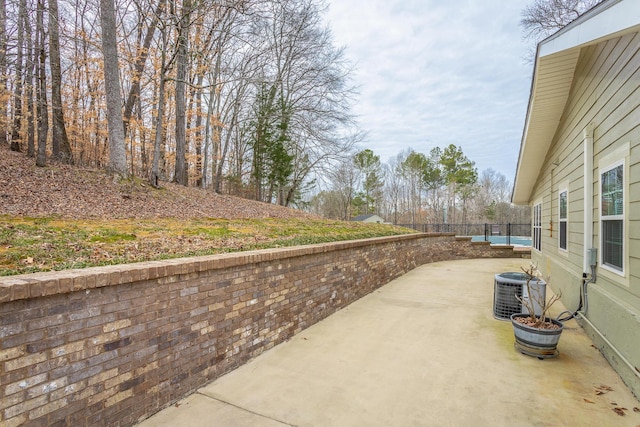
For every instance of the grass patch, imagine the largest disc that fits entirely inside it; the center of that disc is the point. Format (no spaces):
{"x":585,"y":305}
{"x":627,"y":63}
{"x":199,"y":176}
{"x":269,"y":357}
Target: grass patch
{"x":29,"y":245}
{"x":111,"y":236}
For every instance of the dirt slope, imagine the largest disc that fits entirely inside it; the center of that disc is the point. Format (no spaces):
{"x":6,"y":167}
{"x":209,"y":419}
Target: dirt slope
{"x":77,"y":192}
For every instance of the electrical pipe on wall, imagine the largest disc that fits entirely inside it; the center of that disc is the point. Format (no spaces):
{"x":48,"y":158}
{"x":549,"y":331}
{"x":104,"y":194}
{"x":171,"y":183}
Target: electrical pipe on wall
{"x":588,"y":196}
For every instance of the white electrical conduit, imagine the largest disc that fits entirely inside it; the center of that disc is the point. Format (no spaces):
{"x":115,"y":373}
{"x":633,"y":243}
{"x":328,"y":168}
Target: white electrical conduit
{"x":588,"y":196}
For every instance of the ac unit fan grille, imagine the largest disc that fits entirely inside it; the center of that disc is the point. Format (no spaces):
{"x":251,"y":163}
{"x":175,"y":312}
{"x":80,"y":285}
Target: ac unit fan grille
{"x":505,"y":299}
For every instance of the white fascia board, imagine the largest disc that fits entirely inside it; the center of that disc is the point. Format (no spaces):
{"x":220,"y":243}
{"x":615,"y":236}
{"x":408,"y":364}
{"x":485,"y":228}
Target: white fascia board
{"x":603,"y":21}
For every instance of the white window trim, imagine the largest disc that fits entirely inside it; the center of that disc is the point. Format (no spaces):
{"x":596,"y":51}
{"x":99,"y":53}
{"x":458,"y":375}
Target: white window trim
{"x":563,"y":189}
{"x":534,"y":226}
{"x":611,"y":161}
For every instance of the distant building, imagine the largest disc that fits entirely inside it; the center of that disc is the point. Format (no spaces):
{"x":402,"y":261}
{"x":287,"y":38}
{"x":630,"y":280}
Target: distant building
{"x":369,"y":218}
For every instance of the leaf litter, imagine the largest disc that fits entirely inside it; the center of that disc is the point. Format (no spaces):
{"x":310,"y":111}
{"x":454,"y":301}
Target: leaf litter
{"x":60,"y":217}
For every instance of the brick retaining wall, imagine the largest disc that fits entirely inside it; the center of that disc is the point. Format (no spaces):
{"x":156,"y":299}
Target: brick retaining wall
{"x":113,"y":345}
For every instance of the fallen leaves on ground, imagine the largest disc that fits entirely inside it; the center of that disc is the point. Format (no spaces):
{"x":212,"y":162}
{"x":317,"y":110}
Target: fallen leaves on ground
{"x":61,"y":217}
{"x":602,"y":389}
{"x":82,"y":192}
{"x":620,"y":411}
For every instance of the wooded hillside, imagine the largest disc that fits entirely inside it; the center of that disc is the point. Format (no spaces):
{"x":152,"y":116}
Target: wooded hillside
{"x":61,"y":216}
{"x":247,"y":97}
{"x":81,"y":192}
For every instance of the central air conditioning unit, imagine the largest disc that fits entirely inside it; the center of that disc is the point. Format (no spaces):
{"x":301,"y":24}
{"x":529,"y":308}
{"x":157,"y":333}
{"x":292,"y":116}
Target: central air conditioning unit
{"x":507,"y":287}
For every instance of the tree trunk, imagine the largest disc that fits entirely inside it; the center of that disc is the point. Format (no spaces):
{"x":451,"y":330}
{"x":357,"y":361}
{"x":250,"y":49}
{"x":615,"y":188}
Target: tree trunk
{"x":43,"y":114}
{"x":207,"y":140}
{"x":154,"y":177}
{"x":181,"y":173}
{"x":198,"y":132}
{"x":117,"y":148}
{"x":155,"y":168}
{"x":3,"y":74}
{"x":144,"y":160}
{"x":17,"y":92}
{"x":29,"y":90}
{"x":60,"y":141}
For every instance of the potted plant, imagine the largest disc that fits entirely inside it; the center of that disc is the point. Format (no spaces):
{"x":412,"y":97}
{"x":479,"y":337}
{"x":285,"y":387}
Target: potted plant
{"x":536,"y":334}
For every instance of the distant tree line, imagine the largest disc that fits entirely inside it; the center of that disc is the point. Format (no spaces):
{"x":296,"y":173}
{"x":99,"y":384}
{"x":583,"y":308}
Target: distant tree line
{"x":415,"y":188}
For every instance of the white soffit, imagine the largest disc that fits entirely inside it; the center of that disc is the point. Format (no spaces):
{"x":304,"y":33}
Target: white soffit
{"x":549,"y":94}
{"x":553,"y":76}
{"x":602,"y":22}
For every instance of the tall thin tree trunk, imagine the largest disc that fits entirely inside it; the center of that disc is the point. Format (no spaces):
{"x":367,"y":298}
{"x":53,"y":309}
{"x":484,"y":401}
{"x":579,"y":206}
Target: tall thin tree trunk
{"x":221,"y":152}
{"x":60,"y":141}
{"x":207,"y":138}
{"x":93,"y":125}
{"x":117,"y":148}
{"x":198,"y":131}
{"x":181,"y":172}
{"x":4,"y":122}
{"x":144,"y":161}
{"x":29,"y":90}
{"x":155,"y":167}
{"x":17,"y":93}
{"x":154,"y":178}
{"x":43,"y":113}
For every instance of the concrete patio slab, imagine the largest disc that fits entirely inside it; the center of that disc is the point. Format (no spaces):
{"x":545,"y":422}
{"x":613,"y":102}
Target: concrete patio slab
{"x":424,"y":350}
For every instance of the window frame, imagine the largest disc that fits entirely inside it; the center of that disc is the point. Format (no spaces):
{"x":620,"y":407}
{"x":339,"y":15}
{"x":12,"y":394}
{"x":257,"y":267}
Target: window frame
{"x":618,"y":270}
{"x":536,"y":226}
{"x":563,"y":221}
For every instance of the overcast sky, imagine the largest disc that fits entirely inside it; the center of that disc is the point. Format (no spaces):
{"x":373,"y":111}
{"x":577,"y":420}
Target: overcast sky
{"x":433,"y":73}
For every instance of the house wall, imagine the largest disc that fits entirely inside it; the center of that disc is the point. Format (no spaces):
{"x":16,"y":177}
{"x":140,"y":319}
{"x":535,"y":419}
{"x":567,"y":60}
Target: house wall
{"x":606,"y":94}
{"x":112,"y":345}
{"x":374,"y":219}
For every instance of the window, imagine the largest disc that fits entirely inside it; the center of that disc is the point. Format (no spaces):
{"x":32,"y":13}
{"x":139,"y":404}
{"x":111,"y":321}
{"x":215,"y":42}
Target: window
{"x":562,"y":210}
{"x":537,"y":226}
{"x":612,"y":217}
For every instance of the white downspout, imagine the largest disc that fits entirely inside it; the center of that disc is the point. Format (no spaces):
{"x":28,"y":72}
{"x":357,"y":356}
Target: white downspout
{"x":588,"y":196}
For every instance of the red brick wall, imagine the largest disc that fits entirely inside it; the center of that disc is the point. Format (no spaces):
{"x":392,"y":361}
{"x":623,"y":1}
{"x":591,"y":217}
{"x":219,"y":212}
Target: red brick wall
{"x":112,"y":345}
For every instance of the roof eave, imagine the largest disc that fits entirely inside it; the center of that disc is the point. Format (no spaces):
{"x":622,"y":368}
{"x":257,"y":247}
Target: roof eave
{"x":555,"y":64}
{"x":552,"y":80}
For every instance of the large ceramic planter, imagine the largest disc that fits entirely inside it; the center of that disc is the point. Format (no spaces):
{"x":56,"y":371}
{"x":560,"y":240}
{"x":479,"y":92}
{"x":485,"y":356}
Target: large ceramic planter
{"x":540,"y":343}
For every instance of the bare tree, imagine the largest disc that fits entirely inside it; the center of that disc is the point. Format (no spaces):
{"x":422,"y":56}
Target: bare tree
{"x":60,"y":141}
{"x":542,"y":18}
{"x":117,"y":149}
{"x":208,"y":68}
{"x":345,"y":179}
{"x":142,"y":53}
{"x":155,"y":166}
{"x":29,"y":87}
{"x":302,"y":99}
{"x":17,"y":92}
{"x":392,"y":192}
{"x":3,"y":73}
{"x":227,"y":125}
{"x":41,"y":87}
{"x":182,"y":50}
